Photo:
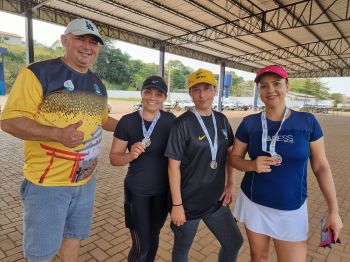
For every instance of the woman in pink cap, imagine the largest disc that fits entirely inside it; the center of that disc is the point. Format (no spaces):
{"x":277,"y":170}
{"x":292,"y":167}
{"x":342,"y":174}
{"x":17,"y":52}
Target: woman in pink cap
{"x":272,"y":201}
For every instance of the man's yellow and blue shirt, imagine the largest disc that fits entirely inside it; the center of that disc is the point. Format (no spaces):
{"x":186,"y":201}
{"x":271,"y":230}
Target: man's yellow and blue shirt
{"x":53,"y":94}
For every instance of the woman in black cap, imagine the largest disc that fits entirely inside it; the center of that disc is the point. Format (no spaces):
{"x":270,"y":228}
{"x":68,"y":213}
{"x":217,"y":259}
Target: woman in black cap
{"x":273,"y":199}
{"x":145,"y":134}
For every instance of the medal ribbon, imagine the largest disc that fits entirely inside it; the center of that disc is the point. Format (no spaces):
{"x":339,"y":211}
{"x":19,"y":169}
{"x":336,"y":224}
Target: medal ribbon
{"x":213,"y":147}
{"x":272,"y":150}
{"x":148,"y":133}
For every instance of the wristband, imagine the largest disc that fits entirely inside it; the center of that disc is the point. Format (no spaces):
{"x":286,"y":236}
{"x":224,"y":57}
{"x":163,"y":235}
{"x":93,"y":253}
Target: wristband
{"x":177,"y":205}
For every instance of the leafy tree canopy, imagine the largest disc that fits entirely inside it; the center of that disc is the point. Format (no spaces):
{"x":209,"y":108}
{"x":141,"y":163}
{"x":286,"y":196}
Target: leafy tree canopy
{"x":119,"y":71}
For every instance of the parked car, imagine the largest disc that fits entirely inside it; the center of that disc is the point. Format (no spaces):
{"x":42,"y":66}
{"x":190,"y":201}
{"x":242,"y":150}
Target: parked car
{"x":244,"y":107}
{"x":318,"y":108}
{"x":229,"y":105}
{"x":226,"y":105}
{"x":260,"y":106}
{"x":184,"y":104}
{"x":136,"y":106}
{"x":169,"y":104}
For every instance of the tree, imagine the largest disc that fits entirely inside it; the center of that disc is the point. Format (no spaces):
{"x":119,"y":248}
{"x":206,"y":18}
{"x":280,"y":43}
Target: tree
{"x":112,"y":65}
{"x":140,"y":71}
{"x":236,"y":86}
{"x":310,"y":86}
{"x":247,"y":88}
{"x":338,"y":98}
{"x":178,"y":75}
{"x":13,"y":63}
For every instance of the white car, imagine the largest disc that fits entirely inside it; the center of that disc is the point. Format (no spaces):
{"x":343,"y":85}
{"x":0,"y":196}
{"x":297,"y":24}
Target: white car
{"x":242,"y":106}
{"x":226,"y":105}
{"x":136,"y":106}
{"x":168,"y":105}
{"x":184,"y":104}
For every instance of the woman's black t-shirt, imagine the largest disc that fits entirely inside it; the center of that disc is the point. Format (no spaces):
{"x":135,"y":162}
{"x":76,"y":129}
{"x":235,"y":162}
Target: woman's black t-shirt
{"x":201,"y":186}
{"x":148,"y":174}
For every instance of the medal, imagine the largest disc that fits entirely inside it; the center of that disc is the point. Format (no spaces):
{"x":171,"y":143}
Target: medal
{"x":213,"y":145}
{"x":213,"y":164}
{"x":272,"y":149}
{"x":278,"y":157}
{"x":146,"y":141}
{"x":147,"y":133}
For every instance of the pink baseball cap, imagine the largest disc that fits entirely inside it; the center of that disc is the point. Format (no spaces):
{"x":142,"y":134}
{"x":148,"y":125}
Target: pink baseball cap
{"x":271,"y":69}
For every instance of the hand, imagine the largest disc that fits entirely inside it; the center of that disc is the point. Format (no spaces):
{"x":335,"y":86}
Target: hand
{"x":137,"y":149}
{"x":70,"y":136}
{"x":262,"y":164}
{"x":334,"y":222}
{"x":177,"y":215}
{"x":226,"y":197}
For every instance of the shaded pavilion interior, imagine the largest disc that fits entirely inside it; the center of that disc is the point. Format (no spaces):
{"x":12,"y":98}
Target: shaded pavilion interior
{"x":309,"y":38}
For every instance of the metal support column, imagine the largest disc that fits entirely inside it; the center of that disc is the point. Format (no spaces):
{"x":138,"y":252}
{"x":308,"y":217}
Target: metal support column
{"x":29,"y":35}
{"x":3,"y":51}
{"x":161,"y":60}
{"x":221,"y":85}
{"x":256,"y":94}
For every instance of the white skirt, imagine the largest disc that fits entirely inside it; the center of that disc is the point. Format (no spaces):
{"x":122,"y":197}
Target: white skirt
{"x":279,"y":224}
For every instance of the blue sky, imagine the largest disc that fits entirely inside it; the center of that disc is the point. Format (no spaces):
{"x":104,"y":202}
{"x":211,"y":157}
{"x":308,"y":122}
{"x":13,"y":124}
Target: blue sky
{"x":48,"y":33}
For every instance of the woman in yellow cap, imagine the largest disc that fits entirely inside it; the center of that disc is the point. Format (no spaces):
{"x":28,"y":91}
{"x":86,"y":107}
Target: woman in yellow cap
{"x":197,"y":151}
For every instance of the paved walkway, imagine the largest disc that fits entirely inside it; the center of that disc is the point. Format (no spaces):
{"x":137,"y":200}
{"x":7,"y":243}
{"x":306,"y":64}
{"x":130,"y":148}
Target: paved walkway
{"x":110,"y":239}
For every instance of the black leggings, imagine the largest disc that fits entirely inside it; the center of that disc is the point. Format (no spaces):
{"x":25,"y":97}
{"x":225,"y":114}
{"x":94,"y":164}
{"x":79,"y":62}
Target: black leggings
{"x":145,"y":217}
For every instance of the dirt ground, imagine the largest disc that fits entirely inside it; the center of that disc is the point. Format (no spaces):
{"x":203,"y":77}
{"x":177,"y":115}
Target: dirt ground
{"x":122,"y":107}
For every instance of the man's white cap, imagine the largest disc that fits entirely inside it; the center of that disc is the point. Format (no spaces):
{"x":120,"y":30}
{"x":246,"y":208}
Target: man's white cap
{"x":81,"y":26}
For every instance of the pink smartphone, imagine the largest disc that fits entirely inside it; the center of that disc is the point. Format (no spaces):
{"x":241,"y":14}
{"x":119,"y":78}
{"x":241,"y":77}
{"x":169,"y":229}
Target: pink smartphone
{"x":327,"y":237}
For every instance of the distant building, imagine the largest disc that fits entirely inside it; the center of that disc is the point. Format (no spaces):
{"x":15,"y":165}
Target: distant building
{"x":346,"y":102}
{"x":299,"y":97}
{"x":10,"y":38}
{"x":56,"y":44}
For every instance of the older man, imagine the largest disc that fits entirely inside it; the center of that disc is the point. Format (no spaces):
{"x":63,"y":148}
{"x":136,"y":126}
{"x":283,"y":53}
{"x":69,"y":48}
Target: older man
{"x":59,"y":108}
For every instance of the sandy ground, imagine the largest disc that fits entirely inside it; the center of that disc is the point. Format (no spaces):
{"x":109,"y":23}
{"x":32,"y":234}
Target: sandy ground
{"x":121,"y":107}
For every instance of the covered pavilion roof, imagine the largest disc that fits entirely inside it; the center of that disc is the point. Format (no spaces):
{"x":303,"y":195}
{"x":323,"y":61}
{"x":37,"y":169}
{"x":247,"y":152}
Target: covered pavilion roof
{"x":310,"y":38}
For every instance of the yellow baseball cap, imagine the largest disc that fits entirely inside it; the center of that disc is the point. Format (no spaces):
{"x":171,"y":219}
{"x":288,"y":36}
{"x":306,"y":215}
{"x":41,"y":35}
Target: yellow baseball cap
{"x":201,"y":76}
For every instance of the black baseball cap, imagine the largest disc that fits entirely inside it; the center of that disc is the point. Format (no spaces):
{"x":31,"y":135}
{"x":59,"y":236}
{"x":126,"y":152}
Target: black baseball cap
{"x":155,"y":82}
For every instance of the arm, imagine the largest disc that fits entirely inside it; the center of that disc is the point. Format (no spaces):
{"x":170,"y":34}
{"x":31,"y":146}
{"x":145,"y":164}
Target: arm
{"x":118,"y":155}
{"x":110,"y":124}
{"x":322,"y":171}
{"x":177,"y":214}
{"x":226,"y":196}
{"x":260,"y":165}
{"x":28,"y":129}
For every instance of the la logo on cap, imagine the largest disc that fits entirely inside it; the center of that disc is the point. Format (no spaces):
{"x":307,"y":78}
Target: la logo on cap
{"x":89,"y":26}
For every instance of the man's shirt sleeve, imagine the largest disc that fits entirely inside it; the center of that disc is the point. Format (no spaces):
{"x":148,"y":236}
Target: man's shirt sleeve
{"x":25,"y":97}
